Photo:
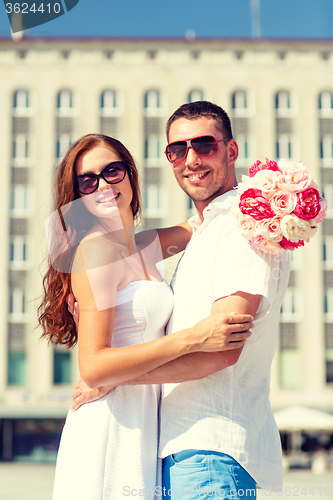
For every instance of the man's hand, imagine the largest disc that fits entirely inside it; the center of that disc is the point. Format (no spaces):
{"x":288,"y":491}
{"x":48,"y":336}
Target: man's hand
{"x":83,"y":394}
{"x":73,"y":308}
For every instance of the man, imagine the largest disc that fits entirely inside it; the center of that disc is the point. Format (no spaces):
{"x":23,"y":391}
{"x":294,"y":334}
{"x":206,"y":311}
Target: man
{"x":218,"y":435}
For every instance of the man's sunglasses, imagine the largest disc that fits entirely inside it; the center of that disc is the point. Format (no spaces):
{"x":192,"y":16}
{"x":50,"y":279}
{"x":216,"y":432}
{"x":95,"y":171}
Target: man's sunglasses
{"x":205,"y":145}
{"x":113,"y":173}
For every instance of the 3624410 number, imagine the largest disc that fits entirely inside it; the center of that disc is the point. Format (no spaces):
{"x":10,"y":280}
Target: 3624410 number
{"x":23,"y":8}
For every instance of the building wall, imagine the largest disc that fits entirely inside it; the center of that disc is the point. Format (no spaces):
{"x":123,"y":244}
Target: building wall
{"x":128,"y":88}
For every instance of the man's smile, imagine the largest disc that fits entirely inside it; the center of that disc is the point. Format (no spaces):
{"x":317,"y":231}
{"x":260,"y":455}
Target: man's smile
{"x":197,"y":177}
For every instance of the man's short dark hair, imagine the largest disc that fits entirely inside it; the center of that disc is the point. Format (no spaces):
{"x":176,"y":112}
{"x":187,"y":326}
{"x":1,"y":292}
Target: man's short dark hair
{"x":198,"y":109}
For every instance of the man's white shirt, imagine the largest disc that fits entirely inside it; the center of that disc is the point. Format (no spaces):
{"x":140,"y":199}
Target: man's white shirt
{"x":228,"y":411}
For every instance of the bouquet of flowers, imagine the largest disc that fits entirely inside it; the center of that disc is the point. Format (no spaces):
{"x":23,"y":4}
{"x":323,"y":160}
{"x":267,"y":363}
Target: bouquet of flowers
{"x":278,"y":206}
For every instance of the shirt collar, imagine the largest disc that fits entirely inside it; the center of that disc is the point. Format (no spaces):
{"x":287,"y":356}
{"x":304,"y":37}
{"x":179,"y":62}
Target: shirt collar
{"x":215,"y":207}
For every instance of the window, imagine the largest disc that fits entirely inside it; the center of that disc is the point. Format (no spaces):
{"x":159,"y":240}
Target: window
{"x":152,"y":100}
{"x":61,"y":367}
{"x":329,"y":371}
{"x":326,"y":101}
{"x":65,"y":100}
{"x":328,"y":304}
{"x":282,"y":100}
{"x":16,"y":372}
{"x":296,"y":259}
{"x":63,"y":143}
{"x":195,"y":95}
{"x":18,"y":253}
{"x":239,"y":100}
{"x":111,"y":105}
{"x":155,"y":200}
{"x":328,"y":194}
{"x":328,"y":251}
{"x":286,"y":104}
{"x":153,"y":104}
{"x":153,"y":147}
{"x":20,"y":146}
{"x":290,"y":368}
{"x":329,"y":352}
{"x":242,"y":146}
{"x":108,"y":100}
{"x":291,"y":308}
{"x":17,"y":303}
{"x":65,"y":112}
{"x":283,"y":146}
{"x":326,"y":147}
{"x":20,"y":198}
{"x":21,"y":100}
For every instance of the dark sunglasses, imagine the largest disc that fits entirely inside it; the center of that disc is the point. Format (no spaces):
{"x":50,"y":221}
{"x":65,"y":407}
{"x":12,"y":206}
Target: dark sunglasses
{"x":113,"y":173}
{"x":205,"y":145}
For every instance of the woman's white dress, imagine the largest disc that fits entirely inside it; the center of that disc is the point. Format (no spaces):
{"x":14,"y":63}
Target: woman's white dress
{"x":108,"y":448}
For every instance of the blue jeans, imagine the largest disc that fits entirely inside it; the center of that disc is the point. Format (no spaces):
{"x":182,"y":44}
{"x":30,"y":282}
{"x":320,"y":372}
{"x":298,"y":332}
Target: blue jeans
{"x":201,"y":475}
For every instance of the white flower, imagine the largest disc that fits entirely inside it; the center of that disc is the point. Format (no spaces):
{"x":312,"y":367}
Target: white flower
{"x":294,"y":229}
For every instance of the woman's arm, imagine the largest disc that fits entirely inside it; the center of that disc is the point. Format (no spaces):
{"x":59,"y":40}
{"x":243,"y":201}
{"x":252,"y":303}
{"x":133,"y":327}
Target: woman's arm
{"x":191,"y":366}
{"x":101,"y":364}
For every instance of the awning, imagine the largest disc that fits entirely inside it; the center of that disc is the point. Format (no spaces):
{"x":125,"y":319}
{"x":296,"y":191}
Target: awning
{"x":300,"y":418}
{"x":32,"y":412}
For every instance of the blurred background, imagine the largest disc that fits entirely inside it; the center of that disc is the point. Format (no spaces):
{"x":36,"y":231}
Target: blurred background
{"x":122,"y":68}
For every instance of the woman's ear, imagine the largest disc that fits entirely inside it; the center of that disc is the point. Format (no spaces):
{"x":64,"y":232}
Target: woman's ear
{"x":233,"y":151}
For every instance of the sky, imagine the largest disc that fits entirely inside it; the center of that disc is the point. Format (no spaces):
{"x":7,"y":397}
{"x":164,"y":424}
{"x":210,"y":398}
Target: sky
{"x":288,"y":19}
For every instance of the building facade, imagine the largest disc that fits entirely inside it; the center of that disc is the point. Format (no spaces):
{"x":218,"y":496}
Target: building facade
{"x":279,"y":96}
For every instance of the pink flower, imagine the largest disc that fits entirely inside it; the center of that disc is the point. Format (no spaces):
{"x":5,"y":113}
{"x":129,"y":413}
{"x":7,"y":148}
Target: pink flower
{"x":246,"y":224}
{"x":268,"y":165}
{"x":267,"y":246}
{"x":308,"y":206}
{"x":278,"y":206}
{"x":253,"y":203}
{"x":282,"y":202}
{"x":290,"y":245}
{"x":322,"y":214}
{"x":293,"y":177}
{"x":270,"y":229}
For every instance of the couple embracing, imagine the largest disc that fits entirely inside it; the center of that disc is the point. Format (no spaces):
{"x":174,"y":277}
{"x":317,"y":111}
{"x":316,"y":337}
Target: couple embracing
{"x":211,"y":433}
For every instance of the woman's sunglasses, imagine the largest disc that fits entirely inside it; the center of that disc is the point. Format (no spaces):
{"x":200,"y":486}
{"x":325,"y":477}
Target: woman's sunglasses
{"x":113,"y":173}
{"x":205,"y":145}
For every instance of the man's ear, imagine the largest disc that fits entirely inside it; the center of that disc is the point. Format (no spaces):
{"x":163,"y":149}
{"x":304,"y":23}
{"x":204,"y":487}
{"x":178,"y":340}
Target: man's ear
{"x":233,"y":151}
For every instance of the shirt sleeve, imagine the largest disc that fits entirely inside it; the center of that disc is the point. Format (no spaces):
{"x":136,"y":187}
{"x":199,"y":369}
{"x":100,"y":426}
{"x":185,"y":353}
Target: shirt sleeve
{"x":239,"y":267}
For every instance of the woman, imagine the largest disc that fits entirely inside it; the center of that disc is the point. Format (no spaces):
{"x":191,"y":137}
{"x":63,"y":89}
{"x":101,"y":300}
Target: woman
{"x":124,"y":307}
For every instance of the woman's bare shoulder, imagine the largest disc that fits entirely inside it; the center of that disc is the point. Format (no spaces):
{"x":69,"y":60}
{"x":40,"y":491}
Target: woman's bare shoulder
{"x":96,"y":250}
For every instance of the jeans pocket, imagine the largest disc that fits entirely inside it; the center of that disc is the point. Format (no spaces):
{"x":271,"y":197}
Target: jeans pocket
{"x":189,"y":460}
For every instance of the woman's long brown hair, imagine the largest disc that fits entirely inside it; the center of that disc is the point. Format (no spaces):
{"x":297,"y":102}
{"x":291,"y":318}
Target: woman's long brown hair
{"x":54,"y":318}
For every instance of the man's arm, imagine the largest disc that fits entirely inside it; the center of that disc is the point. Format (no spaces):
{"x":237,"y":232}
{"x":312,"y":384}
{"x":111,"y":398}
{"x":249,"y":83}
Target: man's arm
{"x":191,"y":366}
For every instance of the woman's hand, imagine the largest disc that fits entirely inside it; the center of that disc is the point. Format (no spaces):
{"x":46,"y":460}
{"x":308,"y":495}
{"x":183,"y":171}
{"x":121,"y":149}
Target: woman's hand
{"x":221,"y":332}
{"x":83,"y":394}
{"x":73,"y":308}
